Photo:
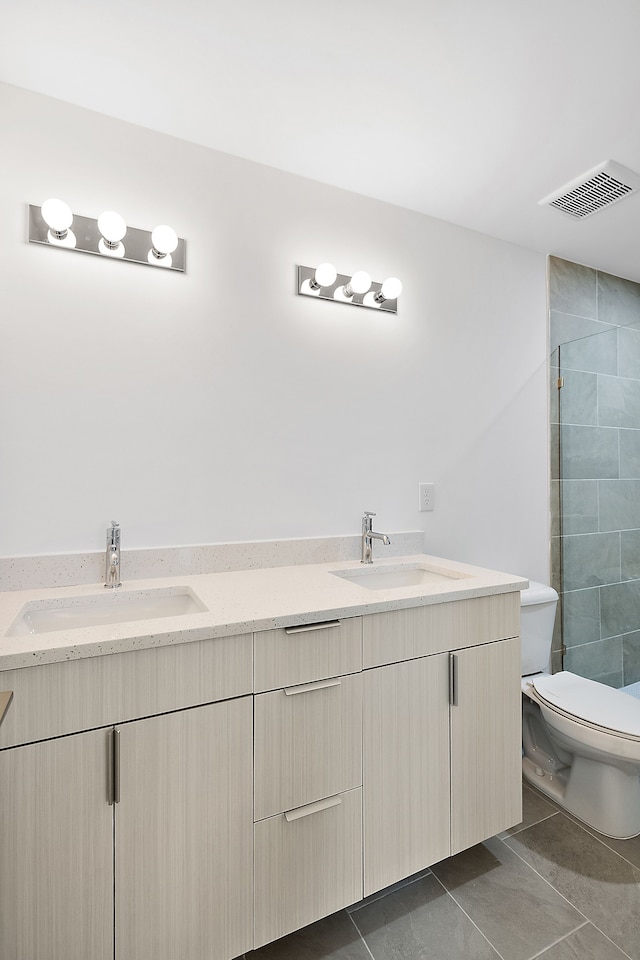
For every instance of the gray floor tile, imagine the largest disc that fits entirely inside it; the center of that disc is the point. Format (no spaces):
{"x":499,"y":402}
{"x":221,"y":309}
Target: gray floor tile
{"x":387,"y":890}
{"x":516,"y":910}
{"x":333,"y":938}
{"x":587,"y":943}
{"x":534,"y":808}
{"x":629,"y":849}
{"x":420,"y":922}
{"x":599,"y":883}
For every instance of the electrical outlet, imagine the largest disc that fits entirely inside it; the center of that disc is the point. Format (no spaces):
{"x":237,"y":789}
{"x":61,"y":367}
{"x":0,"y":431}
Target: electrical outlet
{"x":426,"y":495}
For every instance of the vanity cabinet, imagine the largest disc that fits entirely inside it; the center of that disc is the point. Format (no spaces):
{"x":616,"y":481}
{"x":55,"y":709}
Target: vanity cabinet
{"x":155,"y":812}
{"x":308,"y":775}
{"x":441,"y":737}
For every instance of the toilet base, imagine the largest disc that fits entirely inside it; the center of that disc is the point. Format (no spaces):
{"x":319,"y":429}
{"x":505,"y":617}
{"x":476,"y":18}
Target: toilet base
{"x":605,"y":799}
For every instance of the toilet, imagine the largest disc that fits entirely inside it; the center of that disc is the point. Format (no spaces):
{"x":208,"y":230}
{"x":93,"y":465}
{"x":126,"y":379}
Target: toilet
{"x":581,"y":739}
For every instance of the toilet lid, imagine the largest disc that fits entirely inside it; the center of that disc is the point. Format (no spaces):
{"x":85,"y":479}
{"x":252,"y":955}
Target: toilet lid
{"x":592,"y":702}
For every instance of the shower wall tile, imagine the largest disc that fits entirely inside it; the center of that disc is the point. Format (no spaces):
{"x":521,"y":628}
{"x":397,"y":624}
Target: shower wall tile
{"x":619,"y":504}
{"x":554,"y":393}
{"x":579,"y":398}
{"x":628,"y":352}
{"x":597,"y":352}
{"x":581,"y":616}
{"x":565,"y":328}
{"x":590,"y":560}
{"x":631,"y":657}
{"x":620,"y":608}
{"x":589,"y":453}
{"x":618,"y":402}
{"x":572,"y":288}
{"x":618,"y":300}
{"x":630,"y":554}
{"x":555,"y":509}
{"x":629,"y":441}
{"x":579,"y":506}
{"x":600,"y":661}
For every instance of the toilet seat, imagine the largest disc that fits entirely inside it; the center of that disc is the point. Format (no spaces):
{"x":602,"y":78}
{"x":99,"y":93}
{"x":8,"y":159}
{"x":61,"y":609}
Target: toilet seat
{"x":592,"y":704}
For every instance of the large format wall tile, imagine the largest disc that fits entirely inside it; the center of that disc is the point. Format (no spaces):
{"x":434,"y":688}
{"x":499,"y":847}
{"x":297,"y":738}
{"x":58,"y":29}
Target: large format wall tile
{"x":579,"y":506}
{"x":629,"y":452}
{"x":618,"y":300}
{"x":590,"y":560}
{"x":597,"y":352}
{"x":618,"y":402}
{"x":588,"y":453}
{"x":630,"y":554}
{"x":579,"y":398}
{"x":619,"y":504}
{"x":631,"y":664}
{"x":601,"y":661}
{"x":572,"y":288}
{"x":620,"y":608}
{"x":581,"y":614}
{"x":628,"y":352}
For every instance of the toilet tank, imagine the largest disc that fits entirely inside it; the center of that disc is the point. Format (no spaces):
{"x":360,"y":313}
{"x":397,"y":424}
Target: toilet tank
{"x":537,"y":616}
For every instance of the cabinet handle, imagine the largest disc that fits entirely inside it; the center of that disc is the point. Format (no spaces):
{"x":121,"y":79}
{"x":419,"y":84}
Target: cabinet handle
{"x":6,"y":696}
{"x":307,"y":627}
{"x":310,"y":808}
{"x":453,"y":679}
{"x":115,"y":767}
{"x":306,"y":687}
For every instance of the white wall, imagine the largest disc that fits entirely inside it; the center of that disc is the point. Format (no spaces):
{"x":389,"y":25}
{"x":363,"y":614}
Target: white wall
{"x":218,"y":405}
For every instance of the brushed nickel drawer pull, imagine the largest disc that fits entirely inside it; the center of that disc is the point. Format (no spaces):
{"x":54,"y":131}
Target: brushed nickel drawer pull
{"x":310,"y":808}
{"x":115,"y":767}
{"x":6,"y":696}
{"x":453,"y":679}
{"x":306,"y":687}
{"x":307,"y":627}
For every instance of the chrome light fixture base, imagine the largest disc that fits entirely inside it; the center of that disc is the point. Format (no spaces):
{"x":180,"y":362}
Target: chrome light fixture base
{"x":135,"y":245}
{"x":307,"y":287}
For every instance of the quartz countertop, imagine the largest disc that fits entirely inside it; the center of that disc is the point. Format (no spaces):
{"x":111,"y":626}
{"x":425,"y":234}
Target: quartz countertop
{"x":237,"y":602}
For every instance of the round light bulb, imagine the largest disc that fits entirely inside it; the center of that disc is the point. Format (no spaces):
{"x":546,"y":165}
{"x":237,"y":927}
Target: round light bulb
{"x":164,"y":239}
{"x":391,"y":288}
{"x":57,"y":215}
{"x":325,"y":274}
{"x":112,"y":226}
{"x":360,"y":282}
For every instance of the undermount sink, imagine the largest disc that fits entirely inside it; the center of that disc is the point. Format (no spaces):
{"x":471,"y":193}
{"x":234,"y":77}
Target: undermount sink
{"x":114,"y":606}
{"x":399,"y":575}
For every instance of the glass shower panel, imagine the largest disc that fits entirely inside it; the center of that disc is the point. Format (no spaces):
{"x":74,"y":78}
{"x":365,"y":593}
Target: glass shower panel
{"x":596,"y":516}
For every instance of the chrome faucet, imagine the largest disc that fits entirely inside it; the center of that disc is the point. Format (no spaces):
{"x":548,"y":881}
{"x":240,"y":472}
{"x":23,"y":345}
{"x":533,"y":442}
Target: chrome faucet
{"x":368,"y":535}
{"x":112,"y":561}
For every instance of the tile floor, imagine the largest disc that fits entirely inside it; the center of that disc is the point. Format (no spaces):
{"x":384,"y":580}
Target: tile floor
{"x":547,"y":888}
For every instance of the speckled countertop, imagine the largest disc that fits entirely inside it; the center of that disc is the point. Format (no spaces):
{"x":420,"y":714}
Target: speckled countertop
{"x":236,"y":602}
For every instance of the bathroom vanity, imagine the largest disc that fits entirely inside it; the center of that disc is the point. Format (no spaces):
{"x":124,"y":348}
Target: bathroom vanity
{"x":202,"y":786}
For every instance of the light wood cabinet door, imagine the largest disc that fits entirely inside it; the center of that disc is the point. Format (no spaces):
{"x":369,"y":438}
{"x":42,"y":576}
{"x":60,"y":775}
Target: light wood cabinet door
{"x":405,"y":769}
{"x":184,"y":835}
{"x":56,"y":850}
{"x":486,"y":743}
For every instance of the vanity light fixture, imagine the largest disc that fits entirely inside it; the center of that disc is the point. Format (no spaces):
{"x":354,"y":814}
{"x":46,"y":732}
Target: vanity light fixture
{"x":108,"y":236}
{"x":358,"y":289}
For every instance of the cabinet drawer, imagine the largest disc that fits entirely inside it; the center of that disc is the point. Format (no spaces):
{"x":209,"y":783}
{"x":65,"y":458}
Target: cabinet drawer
{"x":308,"y":864}
{"x":420,"y":631}
{"x":58,"y":698}
{"x":300,"y":654}
{"x":308,"y":743}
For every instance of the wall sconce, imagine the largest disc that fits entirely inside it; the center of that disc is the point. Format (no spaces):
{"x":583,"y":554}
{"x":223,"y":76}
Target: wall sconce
{"x":108,"y":236}
{"x":359,"y":289}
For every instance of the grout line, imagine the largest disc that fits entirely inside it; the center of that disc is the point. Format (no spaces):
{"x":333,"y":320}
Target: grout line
{"x":387,"y":891}
{"x":470,"y":919}
{"x":541,"y":953}
{"x":366,"y":945}
{"x":560,"y":894}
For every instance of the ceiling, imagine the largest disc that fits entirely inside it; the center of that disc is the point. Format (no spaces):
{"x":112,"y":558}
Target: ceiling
{"x":466,"y":110}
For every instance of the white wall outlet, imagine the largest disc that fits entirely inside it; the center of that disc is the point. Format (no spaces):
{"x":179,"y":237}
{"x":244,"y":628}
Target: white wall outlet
{"x":426,"y":495}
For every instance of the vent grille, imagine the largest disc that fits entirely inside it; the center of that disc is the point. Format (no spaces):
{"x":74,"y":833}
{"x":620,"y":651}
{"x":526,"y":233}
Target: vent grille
{"x":598,"y":188}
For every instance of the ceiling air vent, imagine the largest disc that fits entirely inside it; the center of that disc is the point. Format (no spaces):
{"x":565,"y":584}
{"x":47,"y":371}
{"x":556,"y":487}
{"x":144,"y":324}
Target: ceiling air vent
{"x":595,"y":189}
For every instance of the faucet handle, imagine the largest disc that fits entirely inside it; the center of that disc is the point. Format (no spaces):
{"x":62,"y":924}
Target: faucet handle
{"x":114,"y":524}
{"x":369,"y":513}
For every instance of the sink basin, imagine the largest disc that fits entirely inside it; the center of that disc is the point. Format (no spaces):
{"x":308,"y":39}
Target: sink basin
{"x":400,"y":575}
{"x":114,"y":606}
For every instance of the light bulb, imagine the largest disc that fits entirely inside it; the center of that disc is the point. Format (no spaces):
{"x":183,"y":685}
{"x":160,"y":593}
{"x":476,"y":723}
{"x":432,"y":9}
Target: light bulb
{"x":390,"y":290}
{"x":58,"y":217}
{"x":164,"y":240}
{"x":324,"y":276}
{"x":359,"y":283}
{"x":112,"y":226}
